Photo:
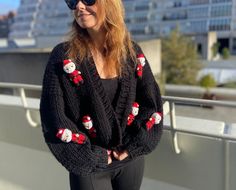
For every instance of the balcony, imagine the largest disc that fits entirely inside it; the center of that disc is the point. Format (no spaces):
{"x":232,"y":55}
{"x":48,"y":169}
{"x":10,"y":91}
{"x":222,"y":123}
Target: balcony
{"x":194,"y":153}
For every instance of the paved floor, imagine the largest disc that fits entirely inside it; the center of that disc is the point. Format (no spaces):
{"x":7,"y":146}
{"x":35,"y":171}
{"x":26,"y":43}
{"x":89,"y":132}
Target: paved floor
{"x":23,"y":168}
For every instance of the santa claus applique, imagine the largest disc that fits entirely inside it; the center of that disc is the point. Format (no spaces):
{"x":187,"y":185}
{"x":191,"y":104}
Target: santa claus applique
{"x":88,"y":124}
{"x":154,"y":119}
{"x":141,"y":62}
{"x":67,"y":136}
{"x":75,"y":75}
{"x":131,"y":117}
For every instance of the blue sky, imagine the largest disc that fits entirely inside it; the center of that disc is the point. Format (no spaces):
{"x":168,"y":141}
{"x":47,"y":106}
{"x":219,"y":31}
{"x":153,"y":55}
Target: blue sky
{"x":7,"y":5}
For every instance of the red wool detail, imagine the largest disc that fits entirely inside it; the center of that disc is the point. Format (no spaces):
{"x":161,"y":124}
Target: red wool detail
{"x":150,"y":123}
{"x":78,"y":138}
{"x":154,"y":119}
{"x":76,"y":77}
{"x":130,"y":120}
{"x":66,"y":61}
{"x":67,"y":136}
{"x":88,"y":124}
{"x":135,"y":110}
{"x":139,"y":70}
{"x":141,"y":62}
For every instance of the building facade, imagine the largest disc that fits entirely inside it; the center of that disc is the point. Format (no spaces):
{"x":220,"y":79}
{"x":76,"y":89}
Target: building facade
{"x":197,"y":17}
{"x":44,"y":19}
{"x":146,"y":19}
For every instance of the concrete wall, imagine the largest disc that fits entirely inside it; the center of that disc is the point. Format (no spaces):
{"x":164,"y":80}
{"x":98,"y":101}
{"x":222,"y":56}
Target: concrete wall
{"x":152,"y":50}
{"x":211,"y":40}
{"x":27,"y":66}
{"x":23,"y":67}
{"x":206,"y":40}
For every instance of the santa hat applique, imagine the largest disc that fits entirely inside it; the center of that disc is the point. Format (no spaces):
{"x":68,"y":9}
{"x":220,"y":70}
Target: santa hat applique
{"x":88,"y":124}
{"x":66,"y":61}
{"x":135,"y":104}
{"x":154,"y":119}
{"x":86,"y":119}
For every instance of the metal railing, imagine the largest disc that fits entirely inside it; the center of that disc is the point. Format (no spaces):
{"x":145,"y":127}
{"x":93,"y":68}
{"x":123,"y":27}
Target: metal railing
{"x":172,"y":101}
{"x":191,"y":101}
{"x":21,"y":88}
{"x":169,"y":100}
{"x":169,"y":108}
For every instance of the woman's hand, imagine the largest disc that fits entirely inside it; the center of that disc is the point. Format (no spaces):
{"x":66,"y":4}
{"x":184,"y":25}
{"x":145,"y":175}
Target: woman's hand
{"x":109,"y":157}
{"x":120,"y":155}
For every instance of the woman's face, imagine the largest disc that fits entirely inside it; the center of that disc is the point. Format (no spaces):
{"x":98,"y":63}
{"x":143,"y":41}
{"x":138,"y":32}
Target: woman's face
{"x":86,"y":16}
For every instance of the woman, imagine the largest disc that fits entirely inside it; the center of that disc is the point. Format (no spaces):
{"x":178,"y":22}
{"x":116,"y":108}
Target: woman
{"x":100,"y":108}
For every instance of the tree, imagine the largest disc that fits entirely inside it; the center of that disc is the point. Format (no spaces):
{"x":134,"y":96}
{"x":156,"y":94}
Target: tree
{"x":225,"y":53}
{"x":215,"y":48}
{"x":208,"y":81}
{"x":180,"y":59}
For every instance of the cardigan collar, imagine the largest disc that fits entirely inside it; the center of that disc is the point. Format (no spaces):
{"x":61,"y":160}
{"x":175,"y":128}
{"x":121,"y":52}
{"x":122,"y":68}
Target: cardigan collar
{"x":115,"y":116}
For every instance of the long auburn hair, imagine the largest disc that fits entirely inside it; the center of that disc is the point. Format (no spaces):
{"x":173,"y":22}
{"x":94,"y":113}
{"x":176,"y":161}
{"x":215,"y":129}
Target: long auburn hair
{"x":117,"y":44}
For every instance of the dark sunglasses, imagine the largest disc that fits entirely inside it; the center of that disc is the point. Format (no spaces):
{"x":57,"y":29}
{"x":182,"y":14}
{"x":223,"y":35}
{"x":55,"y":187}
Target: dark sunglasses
{"x":72,"y":3}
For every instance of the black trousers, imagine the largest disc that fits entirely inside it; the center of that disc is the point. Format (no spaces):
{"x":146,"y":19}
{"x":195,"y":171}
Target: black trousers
{"x":128,"y":177}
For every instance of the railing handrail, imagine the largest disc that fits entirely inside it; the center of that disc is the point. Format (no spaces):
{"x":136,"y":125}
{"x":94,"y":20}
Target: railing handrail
{"x":171,"y":99}
{"x":195,"y":101}
{"x":191,"y":101}
{"x":21,"y":89}
{"x":20,"y":85}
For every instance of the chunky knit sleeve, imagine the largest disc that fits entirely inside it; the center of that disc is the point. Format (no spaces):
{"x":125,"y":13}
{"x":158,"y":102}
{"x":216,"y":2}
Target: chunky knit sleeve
{"x":81,"y":159}
{"x":141,"y":140}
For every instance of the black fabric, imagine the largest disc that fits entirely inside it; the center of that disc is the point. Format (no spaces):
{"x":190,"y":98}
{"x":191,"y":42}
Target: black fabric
{"x":111,"y":87}
{"x":63,"y":105}
{"x":128,"y":177}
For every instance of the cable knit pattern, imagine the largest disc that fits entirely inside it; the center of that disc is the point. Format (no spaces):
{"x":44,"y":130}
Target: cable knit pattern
{"x":63,"y":105}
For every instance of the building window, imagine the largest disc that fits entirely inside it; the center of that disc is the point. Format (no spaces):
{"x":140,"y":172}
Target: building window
{"x":221,"y":1}
{"x":234,"y":44}
{"x":175,"y":16}
{"x":198,"y":26}
{"x":198,"y":12}
{"x":198,"y":2}
{"x":220,"y":25}
{"x":177,"y":4}
{"x":217,"y":11}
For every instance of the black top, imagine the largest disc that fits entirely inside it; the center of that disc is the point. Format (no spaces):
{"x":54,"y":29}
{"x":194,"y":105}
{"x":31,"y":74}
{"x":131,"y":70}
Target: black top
{"x":111,"y":87}
{"x":63,"y":105}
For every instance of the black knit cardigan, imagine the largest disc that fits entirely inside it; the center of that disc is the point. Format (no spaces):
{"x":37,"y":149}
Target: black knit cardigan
{"x":63,"y":105}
